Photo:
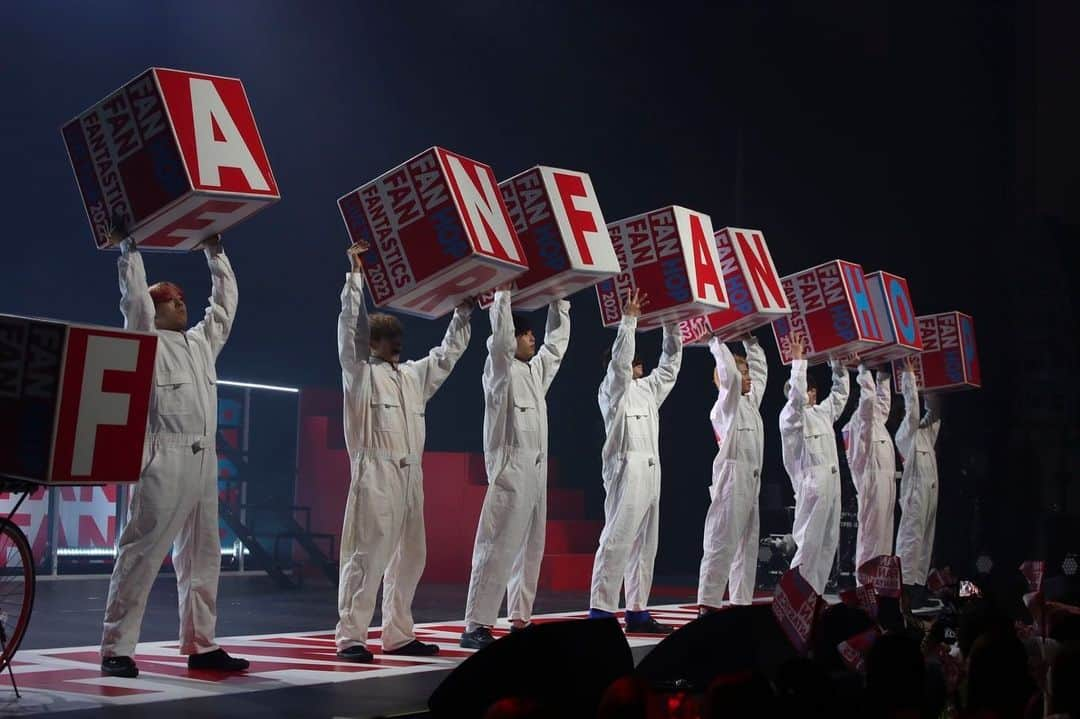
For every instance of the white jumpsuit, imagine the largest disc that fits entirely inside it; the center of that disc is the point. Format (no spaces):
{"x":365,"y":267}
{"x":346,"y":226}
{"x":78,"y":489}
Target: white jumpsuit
{"x":382,"y":536}
{"x":810,"y":458}
{"x":732,"y":523}
{"x":631,"y":469}
{"x":915,"y":438}
{"x":872,"y":461}
{"x":510,"y":535}
{"x":175,"y":502}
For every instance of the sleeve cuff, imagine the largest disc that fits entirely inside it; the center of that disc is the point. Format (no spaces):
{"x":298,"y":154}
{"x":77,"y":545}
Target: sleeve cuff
{"x":628,"y":321}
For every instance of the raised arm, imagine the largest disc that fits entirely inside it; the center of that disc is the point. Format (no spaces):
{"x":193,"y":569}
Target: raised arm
{"x":135,"y":303}
{"x":218,"y":319}
{"x":931,"y":419}
{"x":436,"y":367}
{"x":556,"y":338}
{"x":662,"y":379}
{"x":620,"y":370}
{"x":354,"y":332}
{"x":729,"y":380}
{"x":884,"y":394}
{"x":905,"y":433}
{"x":867,"y":394}
{"x":791,"y":414}
{"x":500,"y":344}
{"x":759,"y":369}
{"x":841,"y":387}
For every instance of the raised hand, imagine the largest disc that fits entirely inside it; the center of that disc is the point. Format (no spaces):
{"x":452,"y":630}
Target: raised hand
{"x":353,"y":253}
{"x":634,"y":303}
{"x":909,"y":364}
{"x":798,"y":347}
{"x":213,"y":242}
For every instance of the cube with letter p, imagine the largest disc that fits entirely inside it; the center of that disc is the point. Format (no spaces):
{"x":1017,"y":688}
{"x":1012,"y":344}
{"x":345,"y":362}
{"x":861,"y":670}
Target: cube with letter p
{"x":831,"y":310}
{"x":949,"y":360}
{"x":170,"y":158}
{"x":669,"y":254}
{"x":438,"y":232}
{"x":74,"y":401}
{"x":753,"y":285}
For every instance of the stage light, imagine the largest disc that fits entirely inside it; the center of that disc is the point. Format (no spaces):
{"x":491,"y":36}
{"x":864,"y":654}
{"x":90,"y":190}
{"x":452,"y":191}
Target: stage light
{"x":984,"y":564}
{"x":1071,"y":564}
{"x":252,"y":385}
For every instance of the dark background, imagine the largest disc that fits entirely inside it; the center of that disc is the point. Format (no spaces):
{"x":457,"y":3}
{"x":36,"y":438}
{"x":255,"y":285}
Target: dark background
{"x":937,"y":142}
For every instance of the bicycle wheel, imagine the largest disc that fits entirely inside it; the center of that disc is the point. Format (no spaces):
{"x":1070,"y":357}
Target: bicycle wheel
{"x":16,"y":588}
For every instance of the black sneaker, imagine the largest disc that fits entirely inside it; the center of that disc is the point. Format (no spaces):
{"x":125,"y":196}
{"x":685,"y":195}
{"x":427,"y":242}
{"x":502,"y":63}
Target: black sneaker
{"x":415,"y":648}
{"x":514,"y":629}
{"x":477,"y":638}
{"x":119,"y":667}
{"x":649,"y":626}
{"x":217,"y":660}
{"x":357,"y":653}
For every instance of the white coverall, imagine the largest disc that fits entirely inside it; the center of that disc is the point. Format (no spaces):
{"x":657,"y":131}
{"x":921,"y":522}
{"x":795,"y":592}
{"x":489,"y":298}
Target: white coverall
{"x":631,"y":469}
{"x":809,"y":451}
{"x":510,"y":536}
{"x":872,"y":461}
{"x":176,"y":497}
{"x":915,"y":438}
{"x":732,"y":523}
{"x":382,"y":536}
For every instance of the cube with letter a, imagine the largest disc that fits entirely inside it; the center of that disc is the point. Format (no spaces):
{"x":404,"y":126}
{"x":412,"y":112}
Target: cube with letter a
{"x":669,"y":254}
{"x":753,"y":286}
{"x":891,"y":301}
{"x":831,"y":310}
{"x":558,"y":220}
{"x":438,"y":232}
{"x":73,"y":401}
{"x":170,"y":159}
{"x":949,"y":360}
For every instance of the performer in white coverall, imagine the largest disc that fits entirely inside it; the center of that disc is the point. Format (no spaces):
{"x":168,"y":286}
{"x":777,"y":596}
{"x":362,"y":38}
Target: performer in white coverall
{"x":382,"y":537}
{"x":810,"y":458}
{"x":510,"y":536}
{"x":915,"y":438}
{"x":630,"y":405}
{"x":872,"y":461}
{"x":732,"y":523}
{"x":175,"y":502}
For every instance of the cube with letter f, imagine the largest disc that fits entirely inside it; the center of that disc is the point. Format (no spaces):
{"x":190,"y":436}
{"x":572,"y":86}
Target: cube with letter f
{"x":170,"y":158}
{"x":949,"y":360}
{"x":74,"y":401}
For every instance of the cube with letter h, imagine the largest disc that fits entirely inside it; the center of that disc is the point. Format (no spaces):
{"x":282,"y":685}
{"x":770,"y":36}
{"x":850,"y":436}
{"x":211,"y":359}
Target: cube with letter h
{"x":753,"y":286}
{"x":891,"y":300}
{"x":831,"y":310}
{"x":558,"y":220}
{"x":669,"y":254}
{"x":438,"y":232}
{"x":949,"y":360}
{"x":73,"y":401}
{"x":170,"y":159}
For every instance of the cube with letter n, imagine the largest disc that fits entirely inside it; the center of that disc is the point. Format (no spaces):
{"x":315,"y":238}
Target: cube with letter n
{"x":754,"y":289}
{"x":74,"y":401}
{"x":170,"y":158}
{"x":438,"y":232}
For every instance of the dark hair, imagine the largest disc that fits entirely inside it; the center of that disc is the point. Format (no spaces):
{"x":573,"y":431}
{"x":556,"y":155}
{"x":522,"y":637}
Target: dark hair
{"x":384,"y":326}
{"x":521,"y":324}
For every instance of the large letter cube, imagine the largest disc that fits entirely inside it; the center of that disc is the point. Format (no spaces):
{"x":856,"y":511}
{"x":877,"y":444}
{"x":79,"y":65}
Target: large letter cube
{"x":73,"y":401}
{"x":668,"y":254}
{"x":949,"y":360}
{"x":439,"y":232}
{"x":831,"y":311}
{"x":753,"y":286}
{"x":558,"y":220}
{"x":170,"y":158}
{"x":891,"y":301}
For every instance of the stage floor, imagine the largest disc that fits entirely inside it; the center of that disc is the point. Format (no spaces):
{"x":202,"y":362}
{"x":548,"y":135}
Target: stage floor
{"x":287,"y":635}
